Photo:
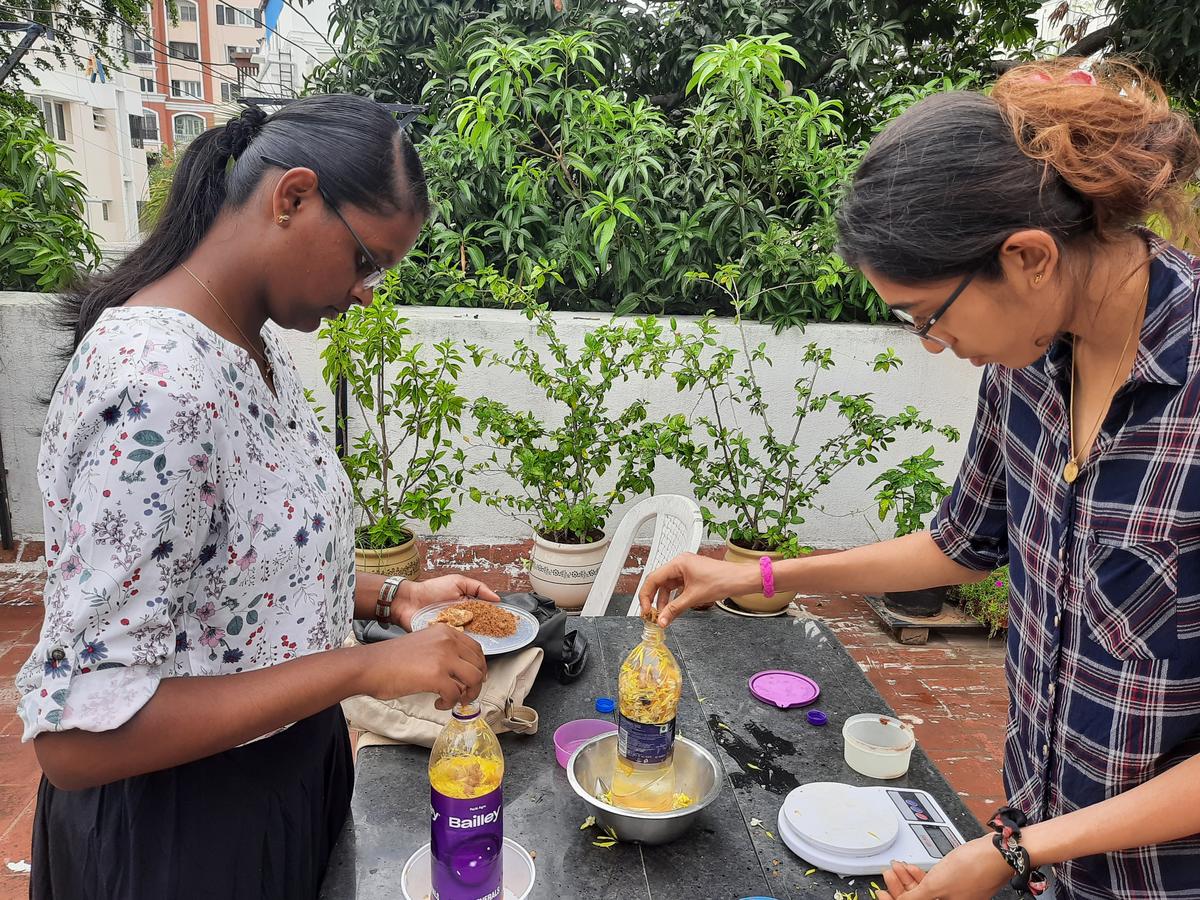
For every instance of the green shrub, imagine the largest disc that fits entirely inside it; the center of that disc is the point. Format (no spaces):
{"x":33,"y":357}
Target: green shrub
{"x":540,"y":164}
{"x":987,"y":600}
{"x":44,"y":239}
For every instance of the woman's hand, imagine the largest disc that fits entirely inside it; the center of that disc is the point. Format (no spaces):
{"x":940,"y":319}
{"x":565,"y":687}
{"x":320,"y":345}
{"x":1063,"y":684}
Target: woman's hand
{"x":700,"y":581}
{"x":974,"y":871}
{"x":416,"y":595}
{"x":901,"y":878}
{"x":437,"y":659}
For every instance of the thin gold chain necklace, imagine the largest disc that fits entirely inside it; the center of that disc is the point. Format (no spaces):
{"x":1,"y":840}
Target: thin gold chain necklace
{"x":267,"y":367}
{"x":1071,"y":469}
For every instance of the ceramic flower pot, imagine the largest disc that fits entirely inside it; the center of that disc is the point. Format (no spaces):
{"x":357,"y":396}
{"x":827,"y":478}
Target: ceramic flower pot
{"x":757,"y":602}
{"x":402,"y":560}
{"x":565,"y":572}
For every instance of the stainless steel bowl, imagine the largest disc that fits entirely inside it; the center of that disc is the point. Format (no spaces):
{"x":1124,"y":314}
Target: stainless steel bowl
{"x":697,"y":774}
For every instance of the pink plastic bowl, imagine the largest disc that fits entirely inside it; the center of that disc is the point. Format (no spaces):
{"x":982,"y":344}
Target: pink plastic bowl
{"x":569,"y":736}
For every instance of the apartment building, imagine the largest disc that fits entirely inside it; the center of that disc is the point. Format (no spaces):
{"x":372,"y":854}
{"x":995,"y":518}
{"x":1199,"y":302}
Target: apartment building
{"x":98,"y":124}
{"x":192,"y":71}
{"x":297,"y":40}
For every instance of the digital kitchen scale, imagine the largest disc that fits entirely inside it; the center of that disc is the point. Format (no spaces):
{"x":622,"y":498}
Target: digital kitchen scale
{"x":850,"y":830}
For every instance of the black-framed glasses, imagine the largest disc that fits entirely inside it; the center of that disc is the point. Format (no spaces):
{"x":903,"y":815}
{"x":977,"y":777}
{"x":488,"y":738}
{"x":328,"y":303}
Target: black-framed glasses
{"x":921,"y":330}
{"x":373,"y":278}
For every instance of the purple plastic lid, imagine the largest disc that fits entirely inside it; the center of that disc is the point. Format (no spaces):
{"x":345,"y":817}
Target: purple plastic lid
{"x":784,"y":689}
{"x":816,"y":717}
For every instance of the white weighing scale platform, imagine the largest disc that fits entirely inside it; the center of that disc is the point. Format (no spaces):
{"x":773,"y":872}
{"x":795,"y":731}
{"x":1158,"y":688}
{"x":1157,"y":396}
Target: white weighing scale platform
{"x":850,"y":830}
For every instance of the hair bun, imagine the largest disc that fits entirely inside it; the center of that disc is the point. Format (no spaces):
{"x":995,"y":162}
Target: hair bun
{"x":241,"y":130}
{"x":1111,"y":134}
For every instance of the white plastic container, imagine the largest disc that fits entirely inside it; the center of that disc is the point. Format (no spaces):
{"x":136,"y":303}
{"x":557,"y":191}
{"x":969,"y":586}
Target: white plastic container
{"x":519,"y":873}
{"x":878,"y":746}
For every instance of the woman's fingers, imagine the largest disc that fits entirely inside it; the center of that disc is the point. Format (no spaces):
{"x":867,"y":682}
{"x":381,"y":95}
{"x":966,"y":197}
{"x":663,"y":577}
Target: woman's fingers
{"x":674,"y":609}
{"x":472,"y":588}
{"x":892,"y":880}
{"x":906,"y":878}
{"x":450,"y":693}
{"x":659,"y":584}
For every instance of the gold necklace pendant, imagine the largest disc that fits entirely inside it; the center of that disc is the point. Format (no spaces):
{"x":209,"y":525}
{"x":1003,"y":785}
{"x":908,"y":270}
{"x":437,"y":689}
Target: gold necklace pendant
{"x":1070,"y":471}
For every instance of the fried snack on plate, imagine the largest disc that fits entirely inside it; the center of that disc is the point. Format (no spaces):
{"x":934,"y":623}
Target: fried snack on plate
{"x":455,"y":616}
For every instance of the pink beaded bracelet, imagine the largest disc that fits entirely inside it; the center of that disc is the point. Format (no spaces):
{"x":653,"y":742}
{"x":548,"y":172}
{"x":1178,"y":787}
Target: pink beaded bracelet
{"x":768,"y":577}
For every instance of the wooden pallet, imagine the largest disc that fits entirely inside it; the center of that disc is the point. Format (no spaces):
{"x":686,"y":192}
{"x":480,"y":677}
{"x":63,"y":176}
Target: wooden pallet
{"x":915,"y":629}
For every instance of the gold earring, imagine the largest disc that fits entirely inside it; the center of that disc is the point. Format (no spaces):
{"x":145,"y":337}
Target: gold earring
{"x":284,"y":217}
{"x":1037,"y":279}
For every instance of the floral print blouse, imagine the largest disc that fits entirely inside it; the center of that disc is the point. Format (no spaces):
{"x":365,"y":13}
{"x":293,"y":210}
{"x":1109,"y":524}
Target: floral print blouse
{"x":196,"y":523}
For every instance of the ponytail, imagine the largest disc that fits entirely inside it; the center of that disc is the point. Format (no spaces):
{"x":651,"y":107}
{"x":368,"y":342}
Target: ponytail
{"x":196,"y":197}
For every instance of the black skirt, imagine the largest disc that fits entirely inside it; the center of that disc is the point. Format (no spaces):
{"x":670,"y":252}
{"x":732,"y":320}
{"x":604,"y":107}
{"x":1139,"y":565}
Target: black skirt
{"x":254,"y":823}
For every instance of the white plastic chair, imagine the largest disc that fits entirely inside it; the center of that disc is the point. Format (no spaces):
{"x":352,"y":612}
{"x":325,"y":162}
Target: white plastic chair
{"x":678,"y":528}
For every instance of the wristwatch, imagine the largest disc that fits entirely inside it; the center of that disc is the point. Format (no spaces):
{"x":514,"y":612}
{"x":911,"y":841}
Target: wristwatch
{"x":387,"y":593}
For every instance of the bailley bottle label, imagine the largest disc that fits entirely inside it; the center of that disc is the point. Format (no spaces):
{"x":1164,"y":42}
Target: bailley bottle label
{"x":467,"y":846}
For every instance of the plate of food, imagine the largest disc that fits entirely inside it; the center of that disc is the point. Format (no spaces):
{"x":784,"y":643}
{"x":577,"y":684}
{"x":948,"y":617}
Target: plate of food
{"x":498,"y":627}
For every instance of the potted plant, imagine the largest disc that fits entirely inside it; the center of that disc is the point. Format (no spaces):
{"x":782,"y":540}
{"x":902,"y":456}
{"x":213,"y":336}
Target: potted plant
{"x":755,"y":487}
{"x":563,"y":478}
{"x":987,"y":600}
{"x":405,"y":466}
{"x":910,"y":492}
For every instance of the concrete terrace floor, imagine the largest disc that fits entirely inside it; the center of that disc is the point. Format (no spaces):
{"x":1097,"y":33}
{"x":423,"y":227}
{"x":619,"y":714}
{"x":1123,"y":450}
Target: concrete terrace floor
{"x":951,"y":689}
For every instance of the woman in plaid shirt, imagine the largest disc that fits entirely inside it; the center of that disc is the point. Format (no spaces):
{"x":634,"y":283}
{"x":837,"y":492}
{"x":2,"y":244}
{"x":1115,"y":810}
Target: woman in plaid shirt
{"x":1008,"y":229}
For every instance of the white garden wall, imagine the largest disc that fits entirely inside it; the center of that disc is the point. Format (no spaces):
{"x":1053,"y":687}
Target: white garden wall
{"x":941,"y":386}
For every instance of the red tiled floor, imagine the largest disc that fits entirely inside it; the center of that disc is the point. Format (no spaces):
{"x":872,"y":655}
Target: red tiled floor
{"x":20,"y":622}
{"x":27,"y":551}
{"x":952,"y":689}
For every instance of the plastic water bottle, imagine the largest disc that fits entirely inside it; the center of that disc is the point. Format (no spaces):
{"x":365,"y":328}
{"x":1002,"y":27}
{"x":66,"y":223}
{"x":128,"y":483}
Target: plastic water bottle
{"x":648,"y":690}
{"x":466,"y":824}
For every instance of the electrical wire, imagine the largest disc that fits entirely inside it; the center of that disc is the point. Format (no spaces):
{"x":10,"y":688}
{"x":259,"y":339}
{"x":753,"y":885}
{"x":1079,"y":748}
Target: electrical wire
{"x":164,"y":48}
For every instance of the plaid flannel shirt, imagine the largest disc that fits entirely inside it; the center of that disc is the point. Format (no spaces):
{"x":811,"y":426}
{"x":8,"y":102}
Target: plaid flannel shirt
{"x":1103,"y":663}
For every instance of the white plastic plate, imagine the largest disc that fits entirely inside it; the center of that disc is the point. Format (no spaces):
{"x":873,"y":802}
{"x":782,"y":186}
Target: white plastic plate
{"x":526,"y":634}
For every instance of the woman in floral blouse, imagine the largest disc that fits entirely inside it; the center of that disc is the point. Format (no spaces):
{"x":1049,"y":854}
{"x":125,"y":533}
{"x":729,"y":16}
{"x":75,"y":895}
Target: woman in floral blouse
{"x":1008,"y":229}
{"x":183,"y":699}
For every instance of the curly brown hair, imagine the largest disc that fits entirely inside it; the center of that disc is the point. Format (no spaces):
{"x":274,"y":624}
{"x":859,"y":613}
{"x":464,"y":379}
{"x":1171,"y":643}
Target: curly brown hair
{"x":1115,"y":140}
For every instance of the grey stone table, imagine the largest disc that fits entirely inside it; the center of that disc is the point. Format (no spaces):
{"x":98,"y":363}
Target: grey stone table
{"x":724,"y":856}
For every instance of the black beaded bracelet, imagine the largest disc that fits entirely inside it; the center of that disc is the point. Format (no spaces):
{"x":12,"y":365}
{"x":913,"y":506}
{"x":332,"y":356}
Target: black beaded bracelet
{"x":1007,"y":823}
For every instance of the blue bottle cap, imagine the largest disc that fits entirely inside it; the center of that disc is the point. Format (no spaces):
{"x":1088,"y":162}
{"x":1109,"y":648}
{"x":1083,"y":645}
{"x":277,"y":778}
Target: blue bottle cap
{"x":816,"y":717}
{"x":605,"y":705}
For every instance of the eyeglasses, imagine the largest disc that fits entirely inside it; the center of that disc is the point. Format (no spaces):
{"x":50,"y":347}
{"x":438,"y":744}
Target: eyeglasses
{"x":922,"y":330}
{"x":375,"y":276}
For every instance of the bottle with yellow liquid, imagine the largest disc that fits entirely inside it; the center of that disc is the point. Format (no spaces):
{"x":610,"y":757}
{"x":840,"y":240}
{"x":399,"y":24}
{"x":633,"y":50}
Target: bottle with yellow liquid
{"x":648,"y":691}
{"x":466,"y":824}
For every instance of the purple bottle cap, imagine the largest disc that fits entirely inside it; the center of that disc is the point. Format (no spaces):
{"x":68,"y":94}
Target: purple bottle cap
{"x":816,"y":717}
{"x":784,"y":689}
